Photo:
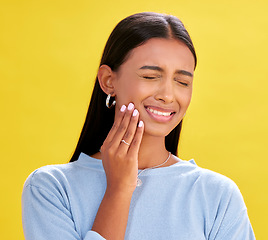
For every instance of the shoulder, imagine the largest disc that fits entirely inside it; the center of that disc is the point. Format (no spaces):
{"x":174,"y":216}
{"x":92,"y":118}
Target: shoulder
{"x":51,"y":178}
{"x":218,"y":182}
{"x":205,"y":176}
{"x":215,"y":180}
{"x":63,"y":178}
{"x":222,"y":189}
{"x":47,"y":172}
{"x":211,"y":185}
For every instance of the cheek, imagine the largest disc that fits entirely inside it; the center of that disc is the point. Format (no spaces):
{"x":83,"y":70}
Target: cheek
{"x":188,"y":100}
{"x":130,"y":89}
{"x":184,"y":98}
{"x":125,"y":92}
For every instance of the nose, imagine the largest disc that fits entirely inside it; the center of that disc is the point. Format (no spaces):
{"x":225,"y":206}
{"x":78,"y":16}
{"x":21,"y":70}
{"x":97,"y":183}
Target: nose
{"x":165,"y":92}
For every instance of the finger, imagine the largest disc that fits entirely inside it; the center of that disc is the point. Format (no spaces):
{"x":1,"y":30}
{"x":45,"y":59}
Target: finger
{"x":131,"y":130}
{"x":116,"y":124}
{"x":136,"y":142}
{"x":118,"y":136}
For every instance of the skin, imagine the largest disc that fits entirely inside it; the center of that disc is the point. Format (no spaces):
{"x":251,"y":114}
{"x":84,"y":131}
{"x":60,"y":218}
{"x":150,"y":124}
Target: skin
{"x":157,"y":76}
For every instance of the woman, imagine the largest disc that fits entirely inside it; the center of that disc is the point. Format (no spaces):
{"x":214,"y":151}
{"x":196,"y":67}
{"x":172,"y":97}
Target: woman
{"x":125,"y":180}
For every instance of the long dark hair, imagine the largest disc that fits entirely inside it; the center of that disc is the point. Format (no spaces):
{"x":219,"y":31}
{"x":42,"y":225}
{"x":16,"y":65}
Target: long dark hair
{"x":130,"y":33}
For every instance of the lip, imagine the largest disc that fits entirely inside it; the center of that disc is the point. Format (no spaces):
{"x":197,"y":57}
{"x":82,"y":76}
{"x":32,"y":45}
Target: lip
{"x":160,"y":118}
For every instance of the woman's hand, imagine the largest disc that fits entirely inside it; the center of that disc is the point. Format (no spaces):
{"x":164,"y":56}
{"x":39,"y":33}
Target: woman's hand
{"x":120,"y":160}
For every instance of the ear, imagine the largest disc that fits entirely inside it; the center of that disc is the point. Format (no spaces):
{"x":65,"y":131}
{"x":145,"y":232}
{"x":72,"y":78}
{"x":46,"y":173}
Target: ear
{"x":106,"y":79}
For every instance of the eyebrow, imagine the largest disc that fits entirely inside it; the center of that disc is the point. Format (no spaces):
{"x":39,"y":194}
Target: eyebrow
{"x":183,"y":72}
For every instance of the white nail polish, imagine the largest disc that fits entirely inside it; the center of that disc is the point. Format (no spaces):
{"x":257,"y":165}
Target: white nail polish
{"x":123,"y":108}
{"x":135,"y":113}
{"x":140,"y":124}
{"x":130,"y":106}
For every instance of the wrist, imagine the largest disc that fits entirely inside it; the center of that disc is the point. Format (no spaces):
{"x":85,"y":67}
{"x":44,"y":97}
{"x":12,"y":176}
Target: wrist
{"x":119,"y":192}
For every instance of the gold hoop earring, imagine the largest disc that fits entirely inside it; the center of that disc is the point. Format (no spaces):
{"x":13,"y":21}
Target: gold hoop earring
{"x":108,"y":102}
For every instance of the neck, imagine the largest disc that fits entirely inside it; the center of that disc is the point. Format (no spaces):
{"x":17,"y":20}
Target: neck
{"x":152,"y":151}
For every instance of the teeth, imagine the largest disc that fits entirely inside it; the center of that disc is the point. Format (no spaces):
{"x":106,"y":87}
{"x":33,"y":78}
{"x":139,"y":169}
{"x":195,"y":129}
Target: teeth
{"x":160,"y":113}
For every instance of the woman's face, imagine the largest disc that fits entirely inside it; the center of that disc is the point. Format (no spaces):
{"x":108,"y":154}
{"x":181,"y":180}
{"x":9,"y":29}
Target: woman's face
{"x":158,"y":78}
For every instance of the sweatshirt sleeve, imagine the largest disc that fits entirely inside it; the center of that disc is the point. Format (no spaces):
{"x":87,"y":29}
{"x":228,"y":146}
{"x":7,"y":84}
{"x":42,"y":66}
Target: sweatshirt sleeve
{"x":46,"y":217}
{"x":232,"y":221}
{"x":239,"y":229}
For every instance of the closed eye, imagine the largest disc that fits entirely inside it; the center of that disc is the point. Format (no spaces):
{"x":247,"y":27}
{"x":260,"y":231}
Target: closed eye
{"x":183,"y":83}
{"x":146,"y":77}
{"x":151,"y":77}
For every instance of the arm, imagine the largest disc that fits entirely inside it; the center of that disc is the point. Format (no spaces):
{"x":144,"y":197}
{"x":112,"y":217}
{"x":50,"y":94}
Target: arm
{"x":239,"y":229}
{"x":45,"y":214}
{"x":232,"y":221}
{"x":120,"y":162}
{"x":111,"y":219}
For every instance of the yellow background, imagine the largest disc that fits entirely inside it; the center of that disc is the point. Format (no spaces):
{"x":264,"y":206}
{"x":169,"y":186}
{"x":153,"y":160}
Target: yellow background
{"x":49,"y":53}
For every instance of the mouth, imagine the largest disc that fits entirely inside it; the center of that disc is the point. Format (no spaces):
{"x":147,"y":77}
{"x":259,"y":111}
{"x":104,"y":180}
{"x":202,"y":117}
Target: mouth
{"x":159,"y":114}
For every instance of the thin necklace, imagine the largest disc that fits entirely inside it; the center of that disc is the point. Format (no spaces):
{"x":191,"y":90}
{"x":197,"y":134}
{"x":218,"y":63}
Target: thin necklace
{"x":139,"y":182}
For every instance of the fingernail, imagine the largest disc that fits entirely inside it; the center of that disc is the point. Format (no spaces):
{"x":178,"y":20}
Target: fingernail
{"x":123,"y":108}
{"x":130,"y":106}
{"x":140,"y":124}
{"x":135,"y":113}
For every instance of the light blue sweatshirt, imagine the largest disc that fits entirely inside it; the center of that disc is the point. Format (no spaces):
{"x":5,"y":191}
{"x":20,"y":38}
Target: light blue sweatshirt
{"x":182,"y":201}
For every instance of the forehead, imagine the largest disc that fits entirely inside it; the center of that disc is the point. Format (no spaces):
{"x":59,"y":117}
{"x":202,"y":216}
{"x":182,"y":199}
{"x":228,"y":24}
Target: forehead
{"x":161,"y":52}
